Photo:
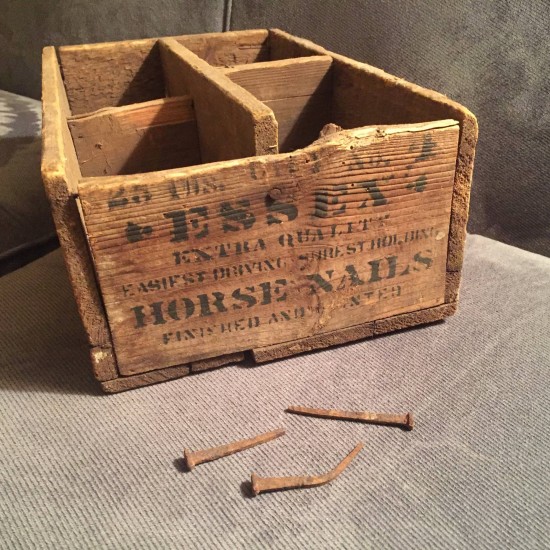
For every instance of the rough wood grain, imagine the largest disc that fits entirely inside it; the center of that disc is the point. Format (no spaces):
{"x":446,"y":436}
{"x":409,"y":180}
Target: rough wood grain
{"x":232,"y":123}
{"x":365,"y":95}
{"x":201,"y":262}
{"x":155,"y":135}
{"x":111,"y":74}
{"x":227,"y":49}
{"x":60,"y":173}
{"x":298,"y":91}
{"x":385,"y":99}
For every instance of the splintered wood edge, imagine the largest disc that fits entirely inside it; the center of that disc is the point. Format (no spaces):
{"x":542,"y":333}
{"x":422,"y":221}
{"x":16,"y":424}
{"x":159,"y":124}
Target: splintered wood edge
{"x":466,"y":146}
{"x":59,"y":169}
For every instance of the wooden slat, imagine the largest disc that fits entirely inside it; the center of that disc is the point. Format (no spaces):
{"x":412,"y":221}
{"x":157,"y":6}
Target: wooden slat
{"x":155,"y":135}
{"x":301,"y":119}
{"x":232,"y":123}
{"x":298,"y":91}
{"x":283,"y":78}
{"x":61,"y":173}
{"x":201,"y":262}
{"x":111,"y":74}
{"x":226,"y":49}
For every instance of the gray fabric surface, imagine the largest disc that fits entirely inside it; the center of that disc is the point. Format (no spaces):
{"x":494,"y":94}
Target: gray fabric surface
{"x":84,"y":470}
{"x":492,"y":56}
{"x":26,"y":26}
{"x":24,"y":209}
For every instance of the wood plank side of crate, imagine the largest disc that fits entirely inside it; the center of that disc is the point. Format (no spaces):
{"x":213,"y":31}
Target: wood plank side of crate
{"x":232,"y":123}
{"x":143,"y":137}
{"x":111,"y":74}
{"x":199,"y":209}
{"x":230,"y":48}
{"x":60,"y":173}
{"x":298,"y":91}
{"x":367,"y":95}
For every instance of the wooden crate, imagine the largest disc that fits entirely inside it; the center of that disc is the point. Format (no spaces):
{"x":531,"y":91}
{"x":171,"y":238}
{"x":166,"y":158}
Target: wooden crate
{"x":248,"y":192}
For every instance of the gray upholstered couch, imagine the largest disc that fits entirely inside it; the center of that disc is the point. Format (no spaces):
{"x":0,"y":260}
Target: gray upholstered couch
{"x":83,"y":470}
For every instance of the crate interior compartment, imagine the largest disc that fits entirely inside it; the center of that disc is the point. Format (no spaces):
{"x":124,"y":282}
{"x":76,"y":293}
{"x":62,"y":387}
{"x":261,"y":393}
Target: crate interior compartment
{"x":113,"y":74}
{"x":142,"y":137}
{"x":157,"y":104}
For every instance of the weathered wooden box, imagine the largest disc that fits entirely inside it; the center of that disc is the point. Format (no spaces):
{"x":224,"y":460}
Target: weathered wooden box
{"x":248,"y":192}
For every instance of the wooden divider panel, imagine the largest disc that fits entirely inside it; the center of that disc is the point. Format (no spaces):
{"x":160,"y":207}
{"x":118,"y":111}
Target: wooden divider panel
{"x":154,"y":135}
{"x":232,"y":123}
{"x":226,"y":257}
{"x":298,"y":91}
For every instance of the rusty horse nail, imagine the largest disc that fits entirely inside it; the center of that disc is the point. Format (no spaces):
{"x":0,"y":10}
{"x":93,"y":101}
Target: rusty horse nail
{"x":405,"y":421}
{"x":264,"y":484}
{"x":193,"y":458}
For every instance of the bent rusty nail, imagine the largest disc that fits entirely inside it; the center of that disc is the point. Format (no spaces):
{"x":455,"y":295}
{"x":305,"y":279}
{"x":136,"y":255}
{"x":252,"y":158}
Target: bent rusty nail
{"x":405,"y":421}
{"x":265,"y":484}
{"x":193,"y":458}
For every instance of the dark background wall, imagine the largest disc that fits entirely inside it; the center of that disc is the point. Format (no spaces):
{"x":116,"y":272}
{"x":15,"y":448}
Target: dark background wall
{"x":26,"y":26}
{"x":491,"y":55}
